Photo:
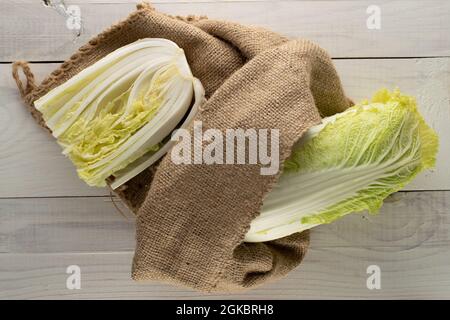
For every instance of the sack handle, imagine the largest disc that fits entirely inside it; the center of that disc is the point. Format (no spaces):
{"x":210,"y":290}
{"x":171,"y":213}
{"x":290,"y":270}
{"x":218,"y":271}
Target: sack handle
{"x":30,"y":81}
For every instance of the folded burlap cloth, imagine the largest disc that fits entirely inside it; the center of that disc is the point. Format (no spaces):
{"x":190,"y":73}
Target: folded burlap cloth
{"x":191,"y":219}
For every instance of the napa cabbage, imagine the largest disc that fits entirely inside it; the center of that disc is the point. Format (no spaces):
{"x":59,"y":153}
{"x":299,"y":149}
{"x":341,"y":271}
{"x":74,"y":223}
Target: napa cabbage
{"x":113,"y":118}
{"x":349,"y":163}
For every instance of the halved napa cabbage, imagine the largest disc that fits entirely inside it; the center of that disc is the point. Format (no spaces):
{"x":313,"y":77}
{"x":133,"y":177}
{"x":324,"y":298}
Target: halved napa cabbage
{"x":112,"y":119}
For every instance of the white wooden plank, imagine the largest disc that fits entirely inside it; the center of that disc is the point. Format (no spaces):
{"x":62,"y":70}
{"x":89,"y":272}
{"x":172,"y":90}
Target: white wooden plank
{"x":31,"y":164}
{"x":408,"y":241}
{"x":50,"y":225}
{"x":68,"y":2}
{"x":419,"y":273}
{"x":73,"y":225}
{"x":408,"y":28}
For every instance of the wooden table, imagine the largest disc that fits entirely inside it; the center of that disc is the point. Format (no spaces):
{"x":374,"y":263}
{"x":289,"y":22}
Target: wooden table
{"x":49,"y":219}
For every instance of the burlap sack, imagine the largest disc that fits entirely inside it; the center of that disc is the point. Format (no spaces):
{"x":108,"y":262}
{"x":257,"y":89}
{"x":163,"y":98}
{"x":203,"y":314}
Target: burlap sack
{"x":191,"y":219}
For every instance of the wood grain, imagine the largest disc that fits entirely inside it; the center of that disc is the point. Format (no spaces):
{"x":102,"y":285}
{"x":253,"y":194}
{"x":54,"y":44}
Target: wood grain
{"x":408,"y":28}
{"x":74,"y":225}
{"x":31,"y":164}
{"x":56,"y":225}
{"x":420,"y":273}
{"x":409,"y":240}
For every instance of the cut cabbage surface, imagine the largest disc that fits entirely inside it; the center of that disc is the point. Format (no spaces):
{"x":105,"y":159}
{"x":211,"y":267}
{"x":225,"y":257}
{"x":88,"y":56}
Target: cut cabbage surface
{"x":112,"y":118}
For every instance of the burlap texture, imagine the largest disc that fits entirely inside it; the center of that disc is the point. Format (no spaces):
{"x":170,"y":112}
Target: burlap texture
{"x":191,"y":219}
